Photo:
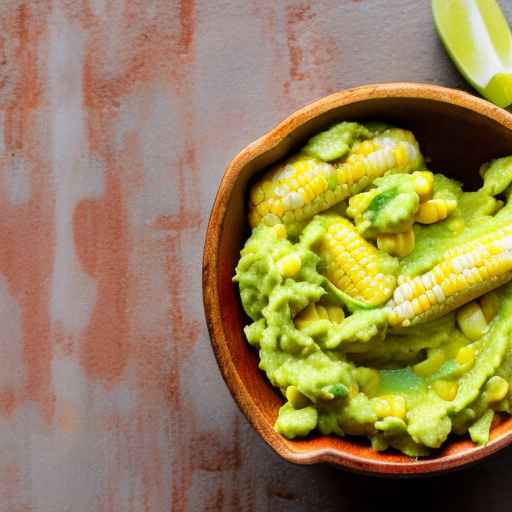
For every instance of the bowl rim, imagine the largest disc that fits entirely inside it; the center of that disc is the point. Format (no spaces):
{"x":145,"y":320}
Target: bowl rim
{"x":211,"y":302}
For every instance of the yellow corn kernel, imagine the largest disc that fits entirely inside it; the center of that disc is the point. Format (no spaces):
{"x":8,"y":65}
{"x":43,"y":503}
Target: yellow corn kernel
{"x":471,"y":321}
{"x":368,"y":380}
{"x":306,"y":316}
{"x":365,"y":147}
{"x":289,"y":265}
{"x":447,"y":390}
{"x":296,"y":398}
{"x":490,"y":305}
{"x":496,"y":389}
{"x":435,"y":210}
{"x":397,"y":244}
{"x":359,"y":203}
{"x":280,"y":231}
{"x":335,"y":314}
{"x":423,"y":184}
{"x":436,"y":357}
{"x":390,"y":405}
{"x":466,"y":357}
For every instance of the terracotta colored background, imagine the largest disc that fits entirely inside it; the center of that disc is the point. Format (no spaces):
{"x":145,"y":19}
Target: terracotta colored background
{"x":117,"y":119}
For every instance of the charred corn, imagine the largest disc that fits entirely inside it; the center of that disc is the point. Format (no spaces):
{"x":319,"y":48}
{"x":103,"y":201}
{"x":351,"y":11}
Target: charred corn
{"x":303,"y":186}
{"x":464,"y":273}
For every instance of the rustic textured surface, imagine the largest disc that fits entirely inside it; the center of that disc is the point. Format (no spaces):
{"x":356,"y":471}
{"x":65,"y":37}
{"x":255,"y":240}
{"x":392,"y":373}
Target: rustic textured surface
{"x":117,"y":119}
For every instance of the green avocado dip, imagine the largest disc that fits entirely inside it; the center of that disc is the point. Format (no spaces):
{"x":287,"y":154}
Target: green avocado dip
{"x":379,"y":292}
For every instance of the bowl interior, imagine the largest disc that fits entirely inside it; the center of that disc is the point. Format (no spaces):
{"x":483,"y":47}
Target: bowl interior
{"x":457,"y":140}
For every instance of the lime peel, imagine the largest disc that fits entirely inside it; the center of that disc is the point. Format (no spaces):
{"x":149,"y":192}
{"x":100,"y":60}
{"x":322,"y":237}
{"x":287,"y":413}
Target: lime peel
{"x":478,"y":39}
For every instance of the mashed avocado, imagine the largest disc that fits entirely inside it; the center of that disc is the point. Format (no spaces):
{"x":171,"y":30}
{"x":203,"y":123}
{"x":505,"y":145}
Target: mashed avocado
{"x":342,"y":365}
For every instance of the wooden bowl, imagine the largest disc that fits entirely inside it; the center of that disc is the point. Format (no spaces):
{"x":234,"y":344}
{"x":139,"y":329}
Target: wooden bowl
{"x":457,"y":132}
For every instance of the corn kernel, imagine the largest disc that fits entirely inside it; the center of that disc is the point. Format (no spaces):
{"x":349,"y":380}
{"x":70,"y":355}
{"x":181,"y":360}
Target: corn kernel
{"x":447,"y":390}
{"x":335,"y":314}
{"x":289,"y":265}
{"x":496,"y":389}
{"x":306,"y":316}
{"x":423,"y":184}
{"x":390,"y":405}
{"x":397,"y":244}
{"x":296,"y":398}
{"x":466,"y":357}
{"x":471,"y":321}
{"x":435,"y":210}
{"x":359,"y":203}
{"x":490,"y":305}
{"x":431,"y":364}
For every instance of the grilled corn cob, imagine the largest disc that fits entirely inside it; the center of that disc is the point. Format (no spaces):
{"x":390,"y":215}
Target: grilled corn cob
{"x":354,"y":265}
{"x":303,"y":186}
{"x":464,"y":273}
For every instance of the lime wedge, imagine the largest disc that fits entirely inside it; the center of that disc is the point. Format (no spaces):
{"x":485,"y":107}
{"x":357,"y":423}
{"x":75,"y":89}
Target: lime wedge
{"x":478,"y":39}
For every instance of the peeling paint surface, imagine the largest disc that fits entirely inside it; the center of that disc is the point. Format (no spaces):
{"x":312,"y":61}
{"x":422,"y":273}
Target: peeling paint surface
{"x":116,"y":121}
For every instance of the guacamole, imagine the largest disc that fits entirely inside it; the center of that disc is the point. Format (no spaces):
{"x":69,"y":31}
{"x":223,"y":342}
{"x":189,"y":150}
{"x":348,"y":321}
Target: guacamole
{"x":403,"y":342}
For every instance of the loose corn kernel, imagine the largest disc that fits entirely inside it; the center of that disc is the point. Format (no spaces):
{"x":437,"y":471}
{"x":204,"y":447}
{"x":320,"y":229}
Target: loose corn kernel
{"x":289,"y":265}
{"x":447,"y":390}
{"x":435,"y":210}
{"x":397,"y":244}
{"x":471,"y":321}
{"x":496,"y":389}
{"x":490,"y":305}
{"x":466,"y":357}
{"x":296,"y":398}
{"x":390,"y":405}
{"x":423,"y":184}
{"x":359,"y":203}
{"x":436,"y":357}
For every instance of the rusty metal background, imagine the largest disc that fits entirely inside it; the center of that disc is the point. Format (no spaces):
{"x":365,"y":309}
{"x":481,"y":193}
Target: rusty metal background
{"x":117,"y":118}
